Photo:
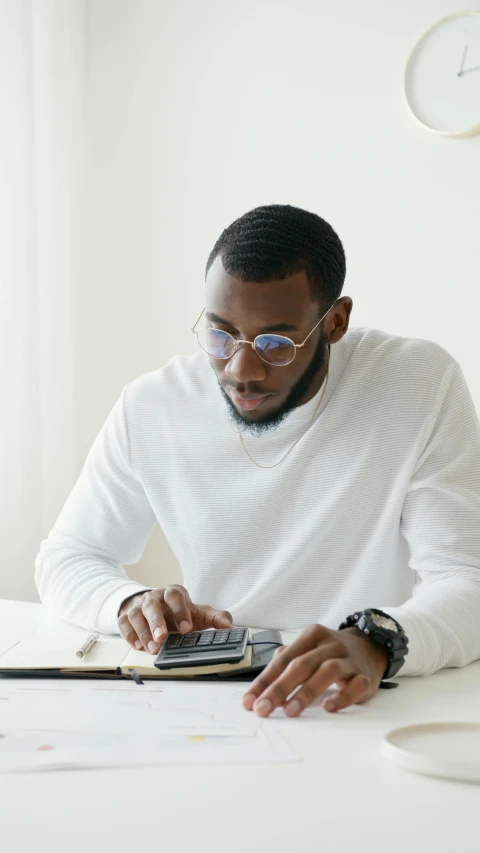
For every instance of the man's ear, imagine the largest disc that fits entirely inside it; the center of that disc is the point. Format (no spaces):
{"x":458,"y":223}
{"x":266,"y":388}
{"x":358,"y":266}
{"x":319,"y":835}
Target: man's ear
{"x":341,"y":316}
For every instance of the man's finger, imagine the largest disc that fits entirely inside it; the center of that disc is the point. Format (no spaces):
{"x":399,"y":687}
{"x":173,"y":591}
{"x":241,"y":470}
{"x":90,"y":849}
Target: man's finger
{"x":142,"y":628}
{"x":300,"y":672}
{"x":128,"y":632}
{"x":207,"y":617}
{"x":278,"y":651}
{"x":358,"y":690}
{"x":288,"y":657}
{"x":152,"y":610}
{"x":179,"y":604}
{"x":307,"y":640}
{"x":329,"y":672}
{"x":271,"y":692}
{"x":271,"y":672}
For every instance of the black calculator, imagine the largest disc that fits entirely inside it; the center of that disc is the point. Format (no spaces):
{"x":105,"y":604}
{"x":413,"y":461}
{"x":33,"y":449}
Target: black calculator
{"x":201,"y":648}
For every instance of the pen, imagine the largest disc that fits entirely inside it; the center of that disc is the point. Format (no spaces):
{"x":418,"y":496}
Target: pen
{"x":89,"y":642}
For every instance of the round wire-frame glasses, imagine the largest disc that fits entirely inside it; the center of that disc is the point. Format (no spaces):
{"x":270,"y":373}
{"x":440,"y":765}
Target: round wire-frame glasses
{"x":269,"y":338}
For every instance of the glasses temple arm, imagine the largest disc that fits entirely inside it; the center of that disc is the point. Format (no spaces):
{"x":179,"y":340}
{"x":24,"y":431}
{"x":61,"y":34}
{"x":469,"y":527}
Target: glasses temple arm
{"x":310,"y":333}
{"x":196,"y":321}
{"x":316,"y":327}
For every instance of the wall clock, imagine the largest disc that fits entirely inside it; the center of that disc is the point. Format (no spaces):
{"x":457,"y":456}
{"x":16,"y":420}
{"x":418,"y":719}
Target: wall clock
{"x":442,"y":76}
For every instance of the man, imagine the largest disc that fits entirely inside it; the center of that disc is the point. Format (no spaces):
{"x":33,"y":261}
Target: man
{"x":304,"y":474}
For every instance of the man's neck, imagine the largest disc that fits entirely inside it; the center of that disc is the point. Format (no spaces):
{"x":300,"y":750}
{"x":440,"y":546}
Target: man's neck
{"x":317,"y":384}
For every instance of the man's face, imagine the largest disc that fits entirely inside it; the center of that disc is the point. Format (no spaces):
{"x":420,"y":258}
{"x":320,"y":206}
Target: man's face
{"x":259,"y":395}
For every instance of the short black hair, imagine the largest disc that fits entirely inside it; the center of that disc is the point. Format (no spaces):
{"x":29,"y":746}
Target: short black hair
{"x":277,"y":240}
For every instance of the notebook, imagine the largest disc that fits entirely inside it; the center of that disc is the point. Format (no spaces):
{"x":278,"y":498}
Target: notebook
{"x":109,"y":657}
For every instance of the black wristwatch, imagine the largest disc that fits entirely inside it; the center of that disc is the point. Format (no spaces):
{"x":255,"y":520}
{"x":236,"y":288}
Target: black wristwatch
{"x":384,"y":630}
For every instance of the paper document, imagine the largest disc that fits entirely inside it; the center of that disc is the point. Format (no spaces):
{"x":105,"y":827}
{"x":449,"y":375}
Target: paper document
{"x":22,"y":751}
{"x":154,"y":708}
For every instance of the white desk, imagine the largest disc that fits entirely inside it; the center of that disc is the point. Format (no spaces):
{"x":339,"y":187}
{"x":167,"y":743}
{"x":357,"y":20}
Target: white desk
{"x":344,"y":796}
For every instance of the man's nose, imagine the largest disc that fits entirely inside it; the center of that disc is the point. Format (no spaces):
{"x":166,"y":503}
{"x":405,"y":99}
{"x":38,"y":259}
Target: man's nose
{"x":246,"y":366}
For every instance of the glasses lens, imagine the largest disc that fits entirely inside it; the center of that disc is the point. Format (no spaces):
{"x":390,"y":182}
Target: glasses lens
{"x":216,"y":343}
{"x":275,"y":349}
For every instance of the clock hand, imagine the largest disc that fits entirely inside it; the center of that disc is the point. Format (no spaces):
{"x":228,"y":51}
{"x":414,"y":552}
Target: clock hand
{"x":475,"y":68}
{"x":463,"y":60}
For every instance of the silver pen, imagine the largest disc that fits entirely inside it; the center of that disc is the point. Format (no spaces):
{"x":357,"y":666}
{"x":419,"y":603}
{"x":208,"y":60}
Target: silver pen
{"x":89,"y":642}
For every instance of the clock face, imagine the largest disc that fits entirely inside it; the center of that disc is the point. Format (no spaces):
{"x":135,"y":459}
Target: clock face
{"x":442,"y":79}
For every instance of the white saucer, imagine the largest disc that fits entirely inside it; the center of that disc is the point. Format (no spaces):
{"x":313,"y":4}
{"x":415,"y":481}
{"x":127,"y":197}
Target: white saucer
{"x":448,"y":750}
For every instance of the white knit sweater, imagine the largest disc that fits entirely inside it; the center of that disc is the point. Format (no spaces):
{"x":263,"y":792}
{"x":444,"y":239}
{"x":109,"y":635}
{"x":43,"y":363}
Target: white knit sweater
{"x":378,"y":505}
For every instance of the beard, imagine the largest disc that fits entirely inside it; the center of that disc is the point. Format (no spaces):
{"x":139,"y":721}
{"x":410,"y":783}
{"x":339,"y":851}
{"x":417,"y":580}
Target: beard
{"x":298,"y":392}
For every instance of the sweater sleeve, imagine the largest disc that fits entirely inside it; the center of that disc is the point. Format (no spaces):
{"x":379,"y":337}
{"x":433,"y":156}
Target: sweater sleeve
{"x":441,"y":523}
{"x":105,"y":522}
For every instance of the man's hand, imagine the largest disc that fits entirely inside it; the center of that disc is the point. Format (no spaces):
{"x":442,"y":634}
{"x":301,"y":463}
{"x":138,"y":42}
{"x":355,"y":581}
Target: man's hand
{"x":318,"y":658}
{"x":145,"y":619}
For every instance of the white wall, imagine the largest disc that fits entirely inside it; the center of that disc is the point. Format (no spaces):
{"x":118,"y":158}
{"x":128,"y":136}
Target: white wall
{"x":199,"y":110}
{"x":42,"y":89}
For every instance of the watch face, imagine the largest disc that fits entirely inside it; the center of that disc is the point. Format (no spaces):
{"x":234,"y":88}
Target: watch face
{"x":383,"y":622}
